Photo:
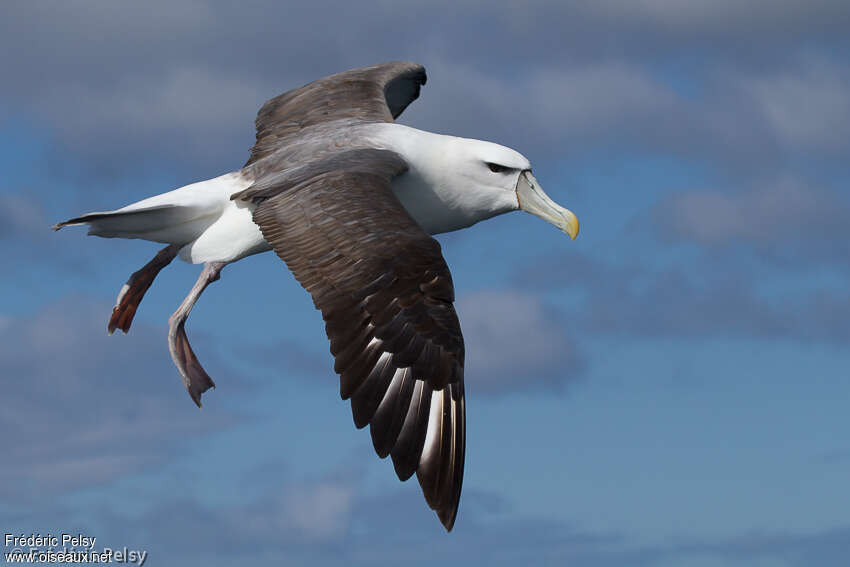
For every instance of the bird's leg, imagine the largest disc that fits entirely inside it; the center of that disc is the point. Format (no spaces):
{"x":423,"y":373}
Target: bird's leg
{"x":194,"y":376}
{"x":133,"y":291}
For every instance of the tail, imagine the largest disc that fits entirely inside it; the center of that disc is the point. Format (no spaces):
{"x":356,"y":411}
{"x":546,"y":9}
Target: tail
{"x":175,"y":217}
{"x":163,"y":223}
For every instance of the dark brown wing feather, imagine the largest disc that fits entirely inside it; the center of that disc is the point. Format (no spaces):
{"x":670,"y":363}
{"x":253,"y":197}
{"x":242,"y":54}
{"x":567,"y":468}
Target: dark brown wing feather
{"x":374,"y":94}
{"x":386,"y":295}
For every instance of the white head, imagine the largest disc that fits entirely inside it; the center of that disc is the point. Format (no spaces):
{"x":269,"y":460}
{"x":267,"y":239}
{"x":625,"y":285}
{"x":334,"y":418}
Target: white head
{"x":495,"y":179}
{"x":453,"y":183}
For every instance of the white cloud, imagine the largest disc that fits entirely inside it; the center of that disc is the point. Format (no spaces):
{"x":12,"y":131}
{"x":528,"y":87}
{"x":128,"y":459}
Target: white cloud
{"x":21,"y":216}
{"x":592,"y":99}
{"x":807,"y":106}
{"x":514,"y":342}
{"x":321,"y":511}
{"x":560,"y":102}
{"x":725,"y":17}
{"x":120,"y":88}
{"x":194,"y":110}
{"x":767,"y":214}
{"x":82,"y":408}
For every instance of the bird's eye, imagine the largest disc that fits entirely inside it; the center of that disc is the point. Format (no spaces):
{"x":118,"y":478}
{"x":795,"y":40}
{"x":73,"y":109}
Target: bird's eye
{"x":496,"y":168}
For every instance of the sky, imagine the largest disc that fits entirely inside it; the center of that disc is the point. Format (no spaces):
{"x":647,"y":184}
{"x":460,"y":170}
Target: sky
{"x":670,"y":389}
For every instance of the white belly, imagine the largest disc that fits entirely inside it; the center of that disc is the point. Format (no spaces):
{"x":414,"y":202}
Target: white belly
{"x":233,"y":236}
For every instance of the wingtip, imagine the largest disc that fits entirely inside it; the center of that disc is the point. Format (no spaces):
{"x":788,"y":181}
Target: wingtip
{"x":447,"y":518}
{"x":196,"y":396}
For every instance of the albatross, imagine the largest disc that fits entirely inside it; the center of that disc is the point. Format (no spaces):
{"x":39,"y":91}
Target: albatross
{"x":349,"y":199}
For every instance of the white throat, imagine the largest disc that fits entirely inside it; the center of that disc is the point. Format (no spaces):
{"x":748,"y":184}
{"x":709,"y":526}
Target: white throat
{"x":437,"y":190}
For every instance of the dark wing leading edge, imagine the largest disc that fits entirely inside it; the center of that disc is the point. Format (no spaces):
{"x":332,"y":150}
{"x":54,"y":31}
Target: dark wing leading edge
{"x":386,"y":295}
{"x":374,"y":94}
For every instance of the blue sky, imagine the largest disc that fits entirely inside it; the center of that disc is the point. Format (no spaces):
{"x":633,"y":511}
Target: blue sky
{"x":669,"y":389}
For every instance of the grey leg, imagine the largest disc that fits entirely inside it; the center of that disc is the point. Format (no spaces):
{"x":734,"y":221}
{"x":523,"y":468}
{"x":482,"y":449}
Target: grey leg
{"x":134,"y":290}
{"x":194,"y":376}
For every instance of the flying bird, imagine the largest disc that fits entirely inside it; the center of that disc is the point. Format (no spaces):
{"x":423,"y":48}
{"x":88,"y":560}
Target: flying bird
{"x":349,"y":200}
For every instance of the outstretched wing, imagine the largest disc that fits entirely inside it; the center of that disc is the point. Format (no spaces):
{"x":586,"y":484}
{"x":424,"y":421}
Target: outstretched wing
{"x":372,"y":94}
{"x":386,"y":295}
